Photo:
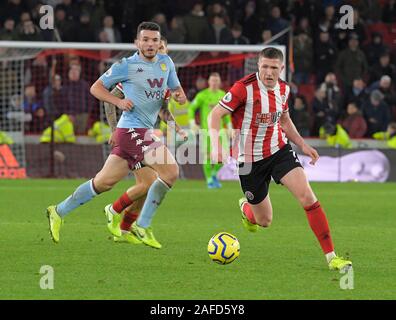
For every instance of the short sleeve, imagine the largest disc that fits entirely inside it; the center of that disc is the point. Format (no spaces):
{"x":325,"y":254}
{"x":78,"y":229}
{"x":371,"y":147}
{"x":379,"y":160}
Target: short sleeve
{"x":234,"y":98}
{"x":173,"y":80}
{"x":118,"y":72}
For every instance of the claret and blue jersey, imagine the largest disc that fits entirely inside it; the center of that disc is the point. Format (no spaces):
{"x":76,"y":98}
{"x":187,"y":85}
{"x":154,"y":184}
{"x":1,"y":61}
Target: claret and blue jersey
{"x":145,"y":84}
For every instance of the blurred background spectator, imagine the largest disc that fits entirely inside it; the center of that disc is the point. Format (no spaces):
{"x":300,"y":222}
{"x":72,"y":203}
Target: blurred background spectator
{"x":376,"y":113}
{"x":300,"y":116}
{"x":353,"y":122}
{"x":335,"y":70}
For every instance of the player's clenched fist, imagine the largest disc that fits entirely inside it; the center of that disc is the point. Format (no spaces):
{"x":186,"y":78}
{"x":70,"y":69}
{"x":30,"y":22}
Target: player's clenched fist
{"x":125,"y":105}
{"x":310,"y":152}
{"x":179,"y":97}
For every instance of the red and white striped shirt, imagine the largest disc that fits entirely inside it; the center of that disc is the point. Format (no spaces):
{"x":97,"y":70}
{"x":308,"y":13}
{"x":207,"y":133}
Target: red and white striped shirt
{"x":256,"y":112}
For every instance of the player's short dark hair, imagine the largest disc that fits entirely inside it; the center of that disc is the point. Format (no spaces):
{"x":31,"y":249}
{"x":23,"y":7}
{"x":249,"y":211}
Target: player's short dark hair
{"x":164,"y":39}
{"x":148,"y":25}
{"x":271,"y":53}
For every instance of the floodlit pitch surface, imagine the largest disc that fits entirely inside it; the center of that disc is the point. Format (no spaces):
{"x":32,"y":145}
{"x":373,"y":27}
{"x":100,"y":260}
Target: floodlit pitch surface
{"x":282,"y":262}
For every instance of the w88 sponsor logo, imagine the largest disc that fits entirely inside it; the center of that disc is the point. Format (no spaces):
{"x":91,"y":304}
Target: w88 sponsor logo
{"x":155,"y":95}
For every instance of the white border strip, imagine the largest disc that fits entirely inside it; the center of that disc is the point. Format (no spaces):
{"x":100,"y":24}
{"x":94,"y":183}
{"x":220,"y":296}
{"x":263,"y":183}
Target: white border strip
{"x":129,"y":46}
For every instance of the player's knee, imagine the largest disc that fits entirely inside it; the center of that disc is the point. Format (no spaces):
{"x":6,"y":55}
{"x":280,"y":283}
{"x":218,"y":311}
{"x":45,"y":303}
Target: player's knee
{"x":307,"y":198}
{"x":170,"y":176}
{"x":103,"y":185}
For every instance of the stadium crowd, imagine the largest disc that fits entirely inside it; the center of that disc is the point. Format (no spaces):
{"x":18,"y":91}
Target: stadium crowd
{"x":340,"y":76}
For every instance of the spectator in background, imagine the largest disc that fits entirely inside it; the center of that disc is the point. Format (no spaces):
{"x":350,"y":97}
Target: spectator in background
{"x":80,"y":99}
{"x":266,"y":36}
{"x":384,"y":85}
{"x":375,"y":48}
{"x":389,"y":12}
{"x":64,"y":26}
{"x":160,"y":19}
{"x":56,"y":100}
{"x":84,"y":32}
{"x":113,"y":35}
{"x":304,"y":27}
{"x":371,"y":11}
{"x":177,"y":31}
{"x":320,"y":109}
{"x":197,"y":26}
{"x":300,"y":116}
{"x":333,"y":94}
{"x":50,"y":34}
{"x":303,"y":58}
{"x":328,"y":20}
{"x":8,"y":30}
{"x":13,"y":9}
{"x":382,"y":67}
{"x":96,"y":10}
{"x":351,"y":63}
{"x":219,"y":32}
{"x":325,"y":56}
{"x":354,"y":122}
{"x":357,"y":94}
{"x":72,"y":11}
{"x":344,"y":34}
{"x":311,"y":9}
{"x":28,"y":31}
{"x":200,"y":84}
{"x":217,"y":9}
{"x":376,"y":113}
{"x":35,"y":109}
{"x":251,"y":23}
{"x":277,"y":24}
{"x":237,"y":37}
{"x":358,"y":27}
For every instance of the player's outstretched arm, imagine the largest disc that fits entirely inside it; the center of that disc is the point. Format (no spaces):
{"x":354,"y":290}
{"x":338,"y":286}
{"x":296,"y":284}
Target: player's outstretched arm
{"x":292,"y":134}
{"x":214,"y":123}
{"x":100,"y":92}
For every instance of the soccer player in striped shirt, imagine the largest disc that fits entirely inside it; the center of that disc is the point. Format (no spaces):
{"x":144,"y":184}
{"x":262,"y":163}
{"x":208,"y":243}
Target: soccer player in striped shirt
{"x":258,"y":104}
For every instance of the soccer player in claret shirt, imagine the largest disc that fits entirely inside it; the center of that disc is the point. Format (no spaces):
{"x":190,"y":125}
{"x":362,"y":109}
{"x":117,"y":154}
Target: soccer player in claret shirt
{"x":258,"y":104}
{"x":145,"y":77}
{"x":205,"y":101}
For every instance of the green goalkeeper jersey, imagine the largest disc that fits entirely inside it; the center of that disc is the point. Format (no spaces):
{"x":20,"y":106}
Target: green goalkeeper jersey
{"x":205,"y":101}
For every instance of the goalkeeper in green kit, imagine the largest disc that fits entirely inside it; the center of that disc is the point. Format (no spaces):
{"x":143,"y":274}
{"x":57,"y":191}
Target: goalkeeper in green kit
{"x":204,"y":101}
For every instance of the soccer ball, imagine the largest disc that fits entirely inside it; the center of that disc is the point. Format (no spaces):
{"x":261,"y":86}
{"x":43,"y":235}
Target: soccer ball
{"x":223,"y":248}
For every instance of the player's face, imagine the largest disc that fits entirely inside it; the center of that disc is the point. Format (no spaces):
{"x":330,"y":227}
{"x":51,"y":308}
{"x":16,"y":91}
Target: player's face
{"x":269,"y":71}
{"x":214,"y":82}
{"x":163,"y":49}
{"x":148,"y":43}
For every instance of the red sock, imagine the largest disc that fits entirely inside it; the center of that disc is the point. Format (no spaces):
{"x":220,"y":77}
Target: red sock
{"x":123,"y":202}
{"x":247,"y":210}
{"x":319,"y":225}
{"x":128,"y":219}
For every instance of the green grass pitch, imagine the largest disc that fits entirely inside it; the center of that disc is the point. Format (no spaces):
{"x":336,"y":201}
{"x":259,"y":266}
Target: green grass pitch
{"x":282,"y":262}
